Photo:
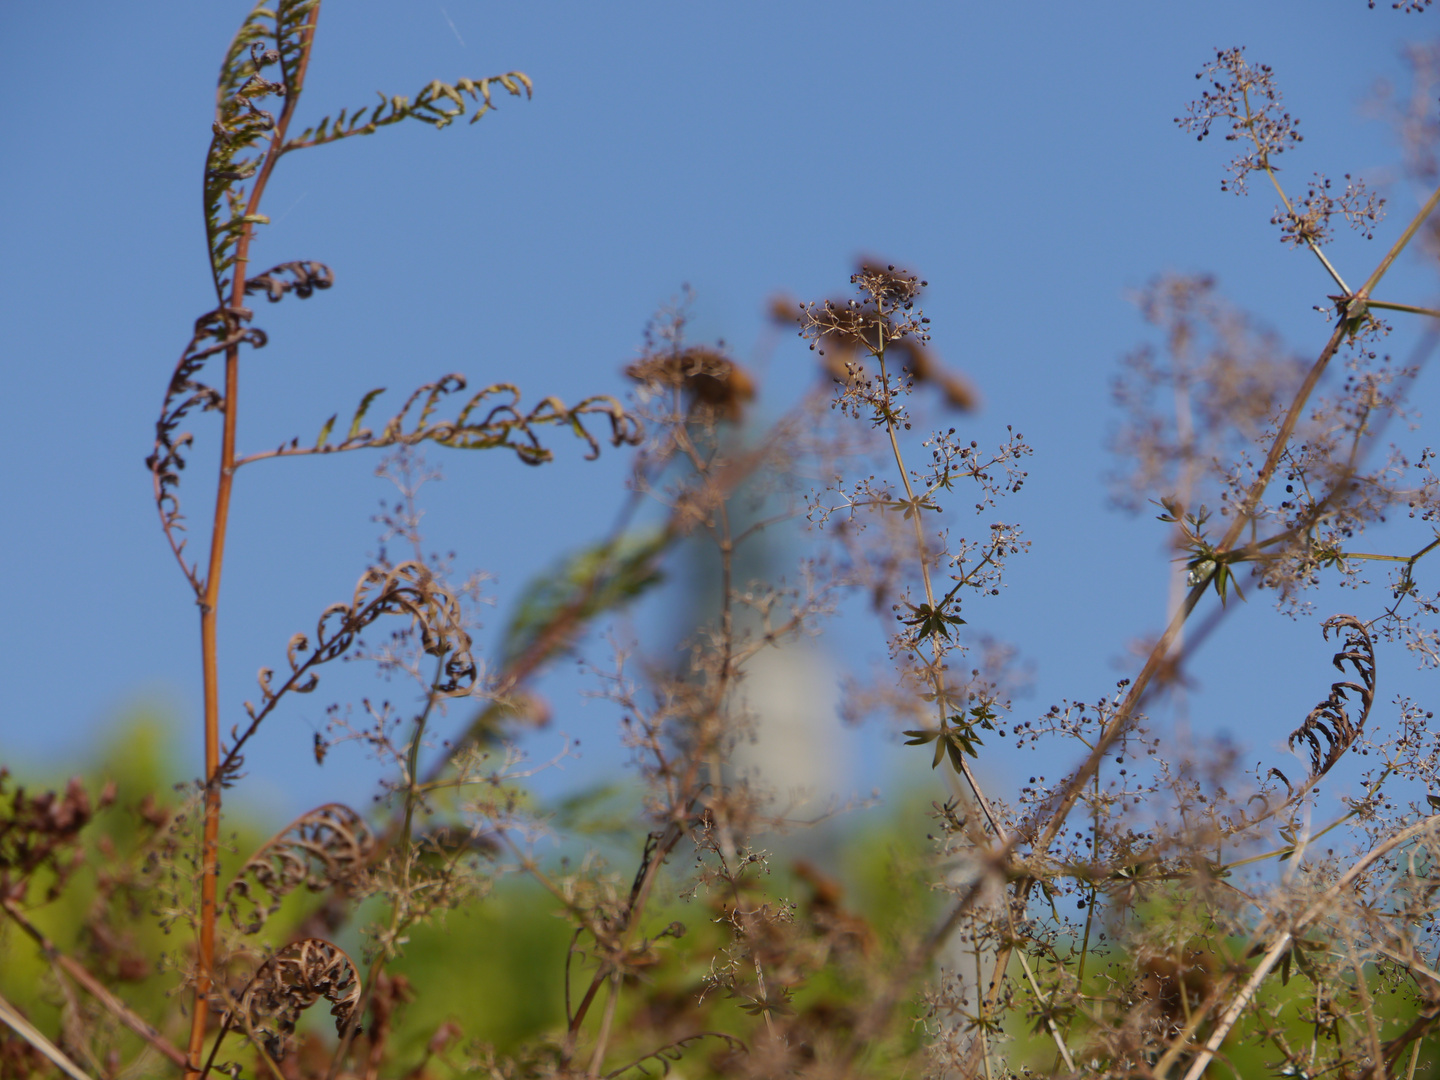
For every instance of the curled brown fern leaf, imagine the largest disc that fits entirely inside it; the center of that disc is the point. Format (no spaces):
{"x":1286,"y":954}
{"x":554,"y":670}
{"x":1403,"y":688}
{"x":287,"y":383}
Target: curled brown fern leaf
{"x":1330,"y":720}
{"x":290,"y":982}
{"x":321,"y":848}
{"x":215,"y":332}
{"x":407,"y":589}
{"x":305,"y":277}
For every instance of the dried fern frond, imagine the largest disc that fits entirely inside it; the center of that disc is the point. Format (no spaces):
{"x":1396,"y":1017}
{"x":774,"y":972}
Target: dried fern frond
{"x":321,"y":848}
{"x":290,"y":982}
{"x":305,"y":277}
{"x":409,"y":588}
{"x":501,"y":425}
{"x":1330,"y":719}
{"x":215,"y":332}
{"x":242,"y":131}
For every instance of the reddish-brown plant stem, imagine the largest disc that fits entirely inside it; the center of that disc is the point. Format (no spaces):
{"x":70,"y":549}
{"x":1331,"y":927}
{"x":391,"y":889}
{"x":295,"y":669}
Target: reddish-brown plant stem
{"x":210,"y":599}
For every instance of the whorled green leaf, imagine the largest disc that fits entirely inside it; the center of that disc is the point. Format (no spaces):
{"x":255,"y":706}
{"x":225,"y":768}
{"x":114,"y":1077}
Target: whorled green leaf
{"x":957,"y":736}
{"x":932,"y":621}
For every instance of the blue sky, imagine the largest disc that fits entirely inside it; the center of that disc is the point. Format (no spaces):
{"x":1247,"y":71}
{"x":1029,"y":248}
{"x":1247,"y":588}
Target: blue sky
{"x":1022,"y":157}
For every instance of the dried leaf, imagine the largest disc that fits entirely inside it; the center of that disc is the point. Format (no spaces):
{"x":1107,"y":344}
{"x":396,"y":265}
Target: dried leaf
{"x":289,"y":983}
{"x":319,"y":849}
{"x":1330,"y":720}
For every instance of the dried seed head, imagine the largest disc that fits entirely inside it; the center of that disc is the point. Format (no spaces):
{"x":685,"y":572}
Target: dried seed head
{"x":708,"y":377}
{"x":1248,"y":100}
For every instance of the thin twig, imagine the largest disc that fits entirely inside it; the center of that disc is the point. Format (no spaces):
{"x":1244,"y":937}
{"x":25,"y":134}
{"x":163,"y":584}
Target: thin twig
{"x":597,"y":1058}
{"x":94,"y":987}
{"x":1283,"y":941}
{"x":11,"y":1017}
{"x":936,"y":678}
{"x":1049,"y":1020}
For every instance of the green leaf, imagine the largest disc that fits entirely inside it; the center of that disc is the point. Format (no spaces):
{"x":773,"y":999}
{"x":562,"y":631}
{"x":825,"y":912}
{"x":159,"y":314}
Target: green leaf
{"x":983,"y":715}
{"x":776,"y":1001}
{"x":593,"y":580}
{"x":325,"y":432}
{"x":932,"y":622}
{"x":1224,"y":579}
{"x":603,"y":809}
{"x":365,"y":404}
{"x":1302,"y":962}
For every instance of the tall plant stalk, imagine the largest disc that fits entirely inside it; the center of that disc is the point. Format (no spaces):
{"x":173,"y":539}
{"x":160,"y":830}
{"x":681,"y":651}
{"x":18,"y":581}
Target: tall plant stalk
{"x":210,"y":599}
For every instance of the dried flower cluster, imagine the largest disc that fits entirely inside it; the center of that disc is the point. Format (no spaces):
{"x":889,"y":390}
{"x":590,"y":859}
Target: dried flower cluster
{"x":1247,"y":100}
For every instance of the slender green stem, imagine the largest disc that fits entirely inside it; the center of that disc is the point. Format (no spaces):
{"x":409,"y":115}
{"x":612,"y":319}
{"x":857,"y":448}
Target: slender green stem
{"x":1369,"y":557}
{"x":1090,"y":907}
{"x":1289,"y":209}
{"x":1415,"y":1048}
{"x":597,"y":1059}
{"x":1039,"y":997}
{"x":1400,"y":245}
{"x":1289,"y":848}
{"x":984,"y":1024}
{"x":1414,"y":1059}
{"x":1411,"y":308}
{"x":936,"y":677}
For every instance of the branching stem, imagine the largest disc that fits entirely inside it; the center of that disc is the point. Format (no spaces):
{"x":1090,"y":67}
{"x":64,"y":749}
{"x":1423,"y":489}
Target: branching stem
{"x":210,"y":600}
{"x":937,"y":677}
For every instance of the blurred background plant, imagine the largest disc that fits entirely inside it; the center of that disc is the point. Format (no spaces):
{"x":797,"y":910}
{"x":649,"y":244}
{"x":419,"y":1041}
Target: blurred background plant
{"x":1158,"y":906}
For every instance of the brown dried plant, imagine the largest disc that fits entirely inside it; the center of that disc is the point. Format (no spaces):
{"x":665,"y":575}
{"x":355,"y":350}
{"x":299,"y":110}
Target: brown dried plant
{"x":1154,"y":907}
{"x":321,"y":849}
{"x":248,"y":142}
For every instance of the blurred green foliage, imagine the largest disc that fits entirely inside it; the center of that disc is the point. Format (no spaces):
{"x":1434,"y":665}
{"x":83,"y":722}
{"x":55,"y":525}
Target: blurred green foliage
{"x":489,"y":976}
{"x":495,"y":967}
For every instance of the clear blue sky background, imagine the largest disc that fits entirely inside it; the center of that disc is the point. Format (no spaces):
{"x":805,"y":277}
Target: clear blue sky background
{"x":1022,"y":156}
